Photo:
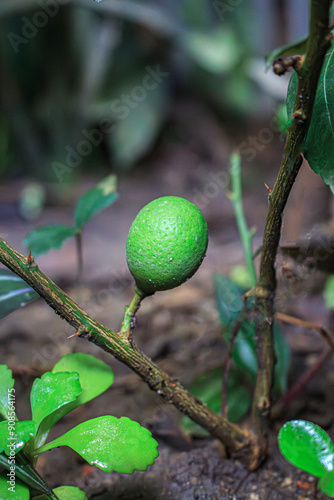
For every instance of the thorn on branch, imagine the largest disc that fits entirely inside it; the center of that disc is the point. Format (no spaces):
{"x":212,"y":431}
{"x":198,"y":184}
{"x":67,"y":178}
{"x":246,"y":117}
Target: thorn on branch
{"x":269,"y":191}
{"x":30,"y":259}
{"x":299,"y":116}
{"x":283,"y":64}
{"x":82,"y":332}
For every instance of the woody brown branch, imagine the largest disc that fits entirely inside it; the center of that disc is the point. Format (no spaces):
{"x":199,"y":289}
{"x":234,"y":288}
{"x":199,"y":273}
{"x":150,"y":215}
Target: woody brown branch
{"x":264,"y":291}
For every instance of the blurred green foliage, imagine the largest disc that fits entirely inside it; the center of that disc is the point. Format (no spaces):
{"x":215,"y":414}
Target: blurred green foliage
{"x":85,"y":80}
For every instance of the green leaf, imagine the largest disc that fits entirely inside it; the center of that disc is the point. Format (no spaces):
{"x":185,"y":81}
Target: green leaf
{"x":6,"y":391}
{"x":326,"y":483}
{"x":208,"y":388}
{"x":329,"y":292}
{"x":110,"y":443}
{"x":283,"y":356}
{"x":318,"y":149}
{"x":217,"y":51}
{"x":140,"y":121}
{"x":239,"y":398}
{"x":298,"y":47}
{"x":14,"y":435}
{"x":244,"y":350}
{"x":282,"y":119}
{"x":14,"y":292}
{"x":49,"y":394}
{"x":229,"y":299}
{"x":95,"y":200}
{"x":15,"y":491}
{"x":239,"y":274}
{"x":307,"y":446}
{"x":95,"y":375}
{"x":25,"y":472}
{"x":45,"y":238}
{"x":66,"y":493}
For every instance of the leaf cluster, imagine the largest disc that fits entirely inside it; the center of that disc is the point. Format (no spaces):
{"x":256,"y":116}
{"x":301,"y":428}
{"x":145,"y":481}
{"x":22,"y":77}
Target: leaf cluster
{"x":63,"y":101}
{"x":45,"y":238}
{"x":109,"y":443}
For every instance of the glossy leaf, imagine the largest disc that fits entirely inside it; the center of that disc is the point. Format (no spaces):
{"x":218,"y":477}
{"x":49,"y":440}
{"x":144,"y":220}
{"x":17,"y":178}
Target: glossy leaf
{"x":27,"y":474}
{"x":318,"y":149}
{"x":51,"y":392}
{"x":46,"y":238}
{"x":110,"y":443}
{"x":17,"y":491}
{"x":297,"y":47}
{"x":307,"y":446}
{"x":14,"y":292}
{"x":66,"y":493}
{"x":95,"y":200}
{"x":6,"y":390}
{"x":15,"y":434}
{"x":326,"y":483}
{"x":95,"y":376}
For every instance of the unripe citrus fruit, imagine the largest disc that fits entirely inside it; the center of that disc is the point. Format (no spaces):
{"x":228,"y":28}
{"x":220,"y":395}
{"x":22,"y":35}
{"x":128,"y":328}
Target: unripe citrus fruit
{"x":166,"y":244}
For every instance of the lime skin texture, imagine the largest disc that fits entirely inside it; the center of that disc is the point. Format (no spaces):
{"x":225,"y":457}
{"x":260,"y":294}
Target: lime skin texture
{"x":166,"y":244}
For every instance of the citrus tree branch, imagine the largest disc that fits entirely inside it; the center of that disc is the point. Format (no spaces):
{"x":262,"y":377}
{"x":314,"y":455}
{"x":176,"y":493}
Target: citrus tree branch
{"x":264,"y":291}
{"x":239,"y":442}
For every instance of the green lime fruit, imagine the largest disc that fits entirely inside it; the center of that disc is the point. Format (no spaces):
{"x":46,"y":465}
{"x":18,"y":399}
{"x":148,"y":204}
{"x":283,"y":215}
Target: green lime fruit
{"x":166,"y":244}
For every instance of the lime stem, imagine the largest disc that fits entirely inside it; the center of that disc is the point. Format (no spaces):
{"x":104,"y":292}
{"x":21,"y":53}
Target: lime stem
{"x":131,"y":310}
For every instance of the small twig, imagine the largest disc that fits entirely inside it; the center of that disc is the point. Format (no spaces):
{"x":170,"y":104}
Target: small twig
{"x":306,"y":324}
{"x":306,"y":377}
{"x":313,"y":370}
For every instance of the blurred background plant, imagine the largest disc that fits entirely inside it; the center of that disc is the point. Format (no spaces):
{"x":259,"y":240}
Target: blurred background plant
{"x":68,"y":64}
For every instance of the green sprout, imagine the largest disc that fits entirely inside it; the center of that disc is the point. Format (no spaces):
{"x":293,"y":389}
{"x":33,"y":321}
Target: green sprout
{"x":45,"y":238}
{"x":308,"y":447}
{"x":110,"y":443}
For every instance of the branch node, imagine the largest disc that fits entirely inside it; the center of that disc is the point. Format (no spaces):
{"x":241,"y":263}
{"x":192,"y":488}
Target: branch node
{"x":299,"y":115}
{"x":82,"y":332}
{"x":283,"y":64}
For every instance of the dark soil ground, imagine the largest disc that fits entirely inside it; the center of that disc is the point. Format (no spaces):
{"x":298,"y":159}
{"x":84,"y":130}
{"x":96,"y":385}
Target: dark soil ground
{"x":179,"y":329}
